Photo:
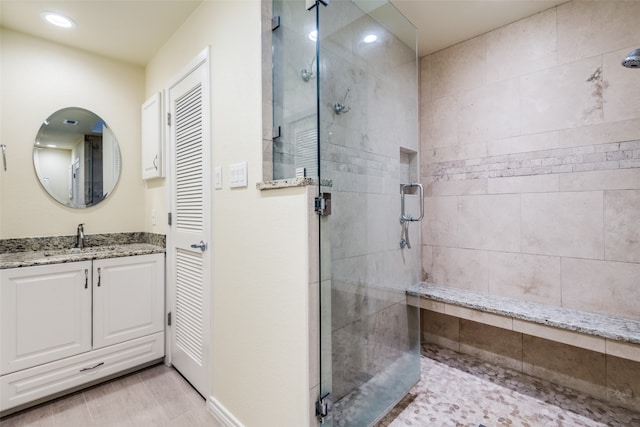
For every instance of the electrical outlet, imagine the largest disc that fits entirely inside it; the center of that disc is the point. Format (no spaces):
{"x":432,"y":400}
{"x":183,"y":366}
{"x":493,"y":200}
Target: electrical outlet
{"x":153,"y":217}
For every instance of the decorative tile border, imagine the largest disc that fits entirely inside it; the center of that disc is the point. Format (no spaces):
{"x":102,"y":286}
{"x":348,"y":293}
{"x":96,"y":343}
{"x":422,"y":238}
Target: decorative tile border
{"x":610,"y":156}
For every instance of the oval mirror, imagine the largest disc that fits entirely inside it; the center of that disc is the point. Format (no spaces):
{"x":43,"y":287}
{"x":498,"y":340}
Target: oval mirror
{"x":76,"y":157}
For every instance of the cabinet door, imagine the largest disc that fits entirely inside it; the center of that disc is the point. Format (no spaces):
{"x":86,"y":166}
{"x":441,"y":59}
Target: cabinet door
{"x":152,"y":159}
{"x":46,"y":314}
{"x":128,"y":298}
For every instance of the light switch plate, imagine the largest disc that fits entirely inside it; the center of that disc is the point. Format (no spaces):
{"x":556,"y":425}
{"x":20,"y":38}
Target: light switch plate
{"x":218,"y":178}
{"x":238,"y":175}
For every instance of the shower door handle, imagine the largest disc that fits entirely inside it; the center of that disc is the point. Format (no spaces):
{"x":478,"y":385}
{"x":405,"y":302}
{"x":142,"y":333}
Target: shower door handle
{"x":406,"y":219}
{"x":403,"y":216}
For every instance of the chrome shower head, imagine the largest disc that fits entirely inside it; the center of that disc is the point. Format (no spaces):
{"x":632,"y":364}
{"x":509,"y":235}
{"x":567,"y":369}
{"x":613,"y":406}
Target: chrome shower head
{"x":632,"y":60}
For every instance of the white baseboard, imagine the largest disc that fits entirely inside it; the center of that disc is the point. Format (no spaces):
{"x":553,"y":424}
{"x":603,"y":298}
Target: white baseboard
{"x":221,"y":414}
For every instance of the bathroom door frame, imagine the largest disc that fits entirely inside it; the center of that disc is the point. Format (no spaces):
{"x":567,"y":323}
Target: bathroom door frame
{"x":198,"y":376}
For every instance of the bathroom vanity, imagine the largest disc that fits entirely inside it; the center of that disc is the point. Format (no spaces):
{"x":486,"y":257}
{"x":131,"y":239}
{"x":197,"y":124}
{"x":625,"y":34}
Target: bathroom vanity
{"x":72,"y":318}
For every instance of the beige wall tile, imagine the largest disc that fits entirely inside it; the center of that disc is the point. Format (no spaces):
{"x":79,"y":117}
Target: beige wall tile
{"x":620,"y":179}
{"x":588,"y":342}
{"x":601,"y":286}
{"x":425,"y":78}
{"x":450,"y":67}
{"x":495,"y":345}
{"x":440,"y":223}
{"x":455,"y":188}
{"x":524,"y":184}
{"x":623,"y":382}
{"x":430,"y":305}
{"x":562,"y":97}
{"x":440,"y":329}
{"x":427,"y":262}
{"x":492,"y":111}
{"x":621,"y":230}
{"x":623,"y":349}
{"x":573,"y":367}
{"x":588,"y":28}
{"x":602,"y":133}
{"x":525,"y":277}
{"x":523,"y":143}
{"x":565,"y":224}
{"x":507,"y":46}
{"x":489,"y":222}
{"x":621,"y":86}
{"x":460,"y":152}
{"x":479,"y":316}
{"x":461,"y":268}
{"x":440,"y":120}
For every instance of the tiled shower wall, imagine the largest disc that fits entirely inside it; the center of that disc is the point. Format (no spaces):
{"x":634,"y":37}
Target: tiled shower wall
{"x":530,"y":156}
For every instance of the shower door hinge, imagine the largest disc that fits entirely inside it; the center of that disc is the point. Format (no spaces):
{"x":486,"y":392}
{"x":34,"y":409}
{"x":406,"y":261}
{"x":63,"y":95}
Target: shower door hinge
{"x":275,"y":22}
{"x":322,"y":204}
{"x":276,"y":132}
{"x":310,"y":4}
{"x":168,"y":119}
{"x":324,"y":405}
{"x":169,"y":319}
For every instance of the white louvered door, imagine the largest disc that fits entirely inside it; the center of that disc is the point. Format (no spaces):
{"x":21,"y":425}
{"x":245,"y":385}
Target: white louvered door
{"x":189,"y":269}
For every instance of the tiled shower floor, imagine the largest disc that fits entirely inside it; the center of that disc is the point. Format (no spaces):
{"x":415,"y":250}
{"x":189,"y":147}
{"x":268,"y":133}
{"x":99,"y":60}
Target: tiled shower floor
{"x":460,"y":390}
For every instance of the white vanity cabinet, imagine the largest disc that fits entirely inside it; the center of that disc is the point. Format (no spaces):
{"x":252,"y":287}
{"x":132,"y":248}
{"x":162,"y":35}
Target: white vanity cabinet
{"x":46,"y":314}
{"x":127,"y":301}
{"x":67,"y":325}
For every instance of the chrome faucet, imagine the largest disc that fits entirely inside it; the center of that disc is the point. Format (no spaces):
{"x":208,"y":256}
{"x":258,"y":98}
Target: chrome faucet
{"x":80,"y":237}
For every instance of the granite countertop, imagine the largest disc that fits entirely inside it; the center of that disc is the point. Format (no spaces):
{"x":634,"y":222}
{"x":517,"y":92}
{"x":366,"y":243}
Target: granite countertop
{"x":26,"y":252}
{"x":610,"y":327}
{"x":31,"y":258}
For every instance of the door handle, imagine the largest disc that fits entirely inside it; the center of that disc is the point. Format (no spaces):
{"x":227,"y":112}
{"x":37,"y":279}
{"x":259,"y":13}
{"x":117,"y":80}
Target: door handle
{"x":202,"y":245}
{"x":404,"y":217}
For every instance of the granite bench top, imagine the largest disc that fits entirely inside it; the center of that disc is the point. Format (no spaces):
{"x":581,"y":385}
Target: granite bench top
{"x":614,"y":328}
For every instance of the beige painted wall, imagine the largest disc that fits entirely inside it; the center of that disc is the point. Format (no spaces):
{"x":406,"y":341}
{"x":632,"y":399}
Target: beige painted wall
{"x":530,"y":138}
{"x":38,"y":78}
{"x":261,"y":270}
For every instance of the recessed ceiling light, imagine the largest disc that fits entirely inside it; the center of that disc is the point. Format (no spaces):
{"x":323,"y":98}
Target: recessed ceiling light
{"x":58,"y":19}
{"x":370,"y":38}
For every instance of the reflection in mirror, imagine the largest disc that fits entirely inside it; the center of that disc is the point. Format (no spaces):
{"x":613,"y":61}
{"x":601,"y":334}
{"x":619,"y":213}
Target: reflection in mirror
{"x":76,"y":157}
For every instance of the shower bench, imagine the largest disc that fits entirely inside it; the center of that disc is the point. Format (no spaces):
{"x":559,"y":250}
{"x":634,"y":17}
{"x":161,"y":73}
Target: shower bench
{"x":597,"y":332}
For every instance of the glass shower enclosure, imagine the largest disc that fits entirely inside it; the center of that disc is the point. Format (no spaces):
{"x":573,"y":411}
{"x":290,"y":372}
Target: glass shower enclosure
{"x":345,"y":97}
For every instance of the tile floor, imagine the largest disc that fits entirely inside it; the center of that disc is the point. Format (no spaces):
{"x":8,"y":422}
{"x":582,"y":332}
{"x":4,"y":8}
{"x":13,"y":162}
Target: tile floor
{"x":460,"y":390}
{"x":454,"y":390}
{"x":156,"y":396}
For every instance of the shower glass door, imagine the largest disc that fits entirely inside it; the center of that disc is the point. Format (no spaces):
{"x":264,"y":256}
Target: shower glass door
{"x":367,"y":125}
